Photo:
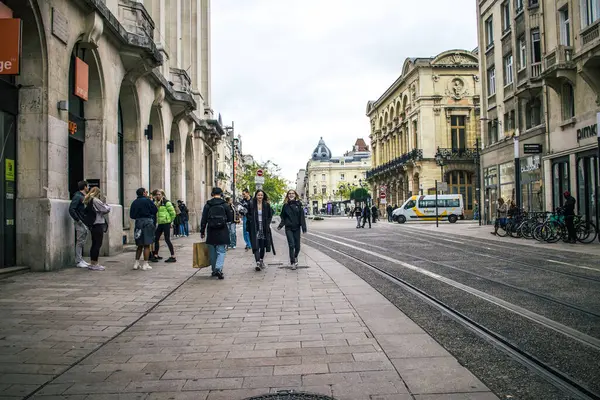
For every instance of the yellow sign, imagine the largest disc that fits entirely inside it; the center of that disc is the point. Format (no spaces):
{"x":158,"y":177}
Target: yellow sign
{"x":9,"y":171}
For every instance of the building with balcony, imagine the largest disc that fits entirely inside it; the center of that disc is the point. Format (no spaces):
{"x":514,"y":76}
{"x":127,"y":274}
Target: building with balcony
{"x":116,"y":92}
{"x":330,"y":178}
{"x":541,"y":93}
{"x":425,"y":127}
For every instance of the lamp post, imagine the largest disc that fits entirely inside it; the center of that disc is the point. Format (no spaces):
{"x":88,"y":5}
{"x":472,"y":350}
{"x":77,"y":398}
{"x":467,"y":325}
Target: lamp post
{"x":439,"y":160}
{"x":478,"y":181}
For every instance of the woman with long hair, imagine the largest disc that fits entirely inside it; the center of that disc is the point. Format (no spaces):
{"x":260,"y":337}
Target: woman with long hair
{"x":164,"y":217}
{"x":260,"y":216}
{"x":95,"y":214}
{"x":292,"y":217}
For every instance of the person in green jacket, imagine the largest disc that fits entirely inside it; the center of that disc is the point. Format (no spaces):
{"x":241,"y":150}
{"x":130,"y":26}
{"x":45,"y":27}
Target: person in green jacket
{"x":164,"y":218}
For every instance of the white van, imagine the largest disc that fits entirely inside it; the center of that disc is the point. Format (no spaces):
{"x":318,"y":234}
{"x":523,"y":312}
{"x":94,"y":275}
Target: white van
{"x":422,"y":208}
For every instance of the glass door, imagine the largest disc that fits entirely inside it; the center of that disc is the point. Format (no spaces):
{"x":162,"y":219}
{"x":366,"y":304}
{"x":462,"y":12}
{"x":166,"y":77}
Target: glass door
{"x":587,"y":182}
{"x":8,"y":187}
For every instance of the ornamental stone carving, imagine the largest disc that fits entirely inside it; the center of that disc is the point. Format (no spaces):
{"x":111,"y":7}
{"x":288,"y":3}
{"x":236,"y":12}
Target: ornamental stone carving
{"x":457,"y":89}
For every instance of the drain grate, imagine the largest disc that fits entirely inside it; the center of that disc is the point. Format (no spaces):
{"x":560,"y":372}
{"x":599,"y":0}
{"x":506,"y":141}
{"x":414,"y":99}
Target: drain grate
{"x":291,"y":395}
{"x":299,"y":266}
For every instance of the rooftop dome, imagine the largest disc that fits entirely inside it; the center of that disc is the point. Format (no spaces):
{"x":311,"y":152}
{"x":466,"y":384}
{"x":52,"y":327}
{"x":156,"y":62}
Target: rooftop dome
{"x":321,"y":152}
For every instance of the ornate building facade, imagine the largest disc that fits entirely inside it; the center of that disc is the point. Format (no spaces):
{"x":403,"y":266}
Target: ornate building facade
{"x":541,"y":98}
{"x":425,"y":127}
{"x":325,"y":175}
{"x":116,"y":92}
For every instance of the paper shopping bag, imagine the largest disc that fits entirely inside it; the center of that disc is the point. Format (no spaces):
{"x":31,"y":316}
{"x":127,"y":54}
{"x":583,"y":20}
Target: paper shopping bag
{"x":201,"y":257}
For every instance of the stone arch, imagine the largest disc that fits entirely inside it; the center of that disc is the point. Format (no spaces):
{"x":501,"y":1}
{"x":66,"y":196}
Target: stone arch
{"x":156,"y":151}
{"x":380,"y":122}
{"x":386,"y":118}
{"x":176,"y":155}
{"x":404,"y":103}
{"x":129,"y":146}
{"x":392,"y":113}
{"x":398,"y":108}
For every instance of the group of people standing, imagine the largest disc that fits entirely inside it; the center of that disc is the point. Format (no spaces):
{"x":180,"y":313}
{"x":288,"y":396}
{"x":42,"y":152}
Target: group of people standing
{"x":219,"y":226}
{"x":154,"y":217}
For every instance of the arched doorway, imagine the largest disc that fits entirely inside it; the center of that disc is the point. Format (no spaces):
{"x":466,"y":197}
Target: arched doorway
{"x":461,"y":182}
{"x":156,"y":151}
{"x":176,"y":161}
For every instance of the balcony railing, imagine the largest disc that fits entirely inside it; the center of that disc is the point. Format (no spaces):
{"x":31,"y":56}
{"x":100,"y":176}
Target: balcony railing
{"x":414,"y":155}
{"x":459,"y":154}
{"x":536,"y":70}
{"x":562,"y":55}
{"x":590,"y":34}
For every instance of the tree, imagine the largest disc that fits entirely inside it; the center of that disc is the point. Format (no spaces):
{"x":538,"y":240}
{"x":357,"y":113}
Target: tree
{"x":344,"y":190}
{"x":360,"y":195}
{"x":274,"y":185}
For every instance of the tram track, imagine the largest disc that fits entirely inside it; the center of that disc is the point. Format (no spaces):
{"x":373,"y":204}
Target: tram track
{"x":574,"y":387}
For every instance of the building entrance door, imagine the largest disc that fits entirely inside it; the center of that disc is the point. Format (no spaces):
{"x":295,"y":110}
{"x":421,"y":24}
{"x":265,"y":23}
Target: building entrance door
{"x":587,"y":183}
{"x":8,"y":195}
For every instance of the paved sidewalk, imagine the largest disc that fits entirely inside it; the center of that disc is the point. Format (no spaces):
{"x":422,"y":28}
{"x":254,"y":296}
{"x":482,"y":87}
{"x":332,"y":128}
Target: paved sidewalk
{"x":320,"y":329}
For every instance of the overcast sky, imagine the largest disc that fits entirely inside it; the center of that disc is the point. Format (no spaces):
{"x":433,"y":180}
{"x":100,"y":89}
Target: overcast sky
{"x":289,"y":72}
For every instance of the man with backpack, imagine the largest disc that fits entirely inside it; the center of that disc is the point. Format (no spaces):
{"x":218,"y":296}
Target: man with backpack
{"x":216,"y":217}
{"x":76,"y":211}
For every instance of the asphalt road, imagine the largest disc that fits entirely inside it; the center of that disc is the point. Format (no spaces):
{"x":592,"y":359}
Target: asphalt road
{"x":545,"y":302}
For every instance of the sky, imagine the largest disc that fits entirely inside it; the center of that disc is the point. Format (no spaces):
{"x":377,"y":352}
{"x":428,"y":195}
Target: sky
{"x":290,"y":72}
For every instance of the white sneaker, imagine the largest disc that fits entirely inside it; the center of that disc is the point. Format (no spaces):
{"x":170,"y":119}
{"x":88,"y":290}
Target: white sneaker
{"x":136,"y":265}
{"x":83,"y":264}
{"x":146,"y":267}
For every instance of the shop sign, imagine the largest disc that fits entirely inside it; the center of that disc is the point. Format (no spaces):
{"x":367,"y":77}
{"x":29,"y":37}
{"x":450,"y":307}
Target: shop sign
{"x":587,"y":132}
{"x":10,"y":46}
{"x":82,"y":73}
{"x":9,"y":169}
{"x":93,"y":183}
{"x":76,"y":127}
{"x":530,"y":148}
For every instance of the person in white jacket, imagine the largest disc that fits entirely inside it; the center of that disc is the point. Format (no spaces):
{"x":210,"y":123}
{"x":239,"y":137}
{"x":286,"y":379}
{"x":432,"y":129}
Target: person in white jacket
{"x":96,"y":211}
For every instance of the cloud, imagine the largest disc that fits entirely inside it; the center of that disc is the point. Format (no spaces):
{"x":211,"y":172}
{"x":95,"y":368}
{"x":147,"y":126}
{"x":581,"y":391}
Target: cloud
{"x":289,"y":72}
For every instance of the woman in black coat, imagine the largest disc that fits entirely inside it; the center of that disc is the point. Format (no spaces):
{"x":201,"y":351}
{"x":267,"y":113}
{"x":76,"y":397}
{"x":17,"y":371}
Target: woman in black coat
{"x":258,"y":226}
{"x":292,"y":217}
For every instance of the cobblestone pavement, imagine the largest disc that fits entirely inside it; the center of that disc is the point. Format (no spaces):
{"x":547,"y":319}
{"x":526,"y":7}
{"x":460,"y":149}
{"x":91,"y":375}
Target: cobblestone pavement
{"x":176,"y":333}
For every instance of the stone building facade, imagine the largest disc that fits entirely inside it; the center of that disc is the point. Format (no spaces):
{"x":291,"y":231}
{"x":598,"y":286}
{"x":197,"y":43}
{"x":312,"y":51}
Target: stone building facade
{"x":141,"y":118}
{"x":540,"y":68}
{"x":431,"y":109}
{"x":326,"y":173}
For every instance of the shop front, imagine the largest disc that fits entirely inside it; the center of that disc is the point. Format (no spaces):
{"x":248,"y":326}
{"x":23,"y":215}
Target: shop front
{"x":490,"y":178}
{"x":8,"y":174}
{"x":532,"y":192}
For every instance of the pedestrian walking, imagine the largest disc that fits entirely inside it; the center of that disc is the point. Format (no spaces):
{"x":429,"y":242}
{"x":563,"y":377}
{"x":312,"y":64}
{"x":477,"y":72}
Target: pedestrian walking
{"x":374,"y":213}
{"x":216,"y":217}
{"x":142,"y":210}
{"x":366,"y":216}
{"x":95,"y":214}
{"x":177,"y":222}
{"x":164,"y":218}
{"x":293,"y":219}
{"x":389,"y":210}
{"x":184,"y":218}
{"x":232,"y":226}
{"x":76,"y":210}
{"x":358,"y":214}
{"x":501,"y":215}
{"x":569,"y":212}
{"x":244,"y":207}
{"x":260,"y":216}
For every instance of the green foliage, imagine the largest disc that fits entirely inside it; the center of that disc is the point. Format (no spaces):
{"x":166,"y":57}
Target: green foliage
{"x":344,"y":190}
{"x":360,"y":195}
{"x":274,"y":186}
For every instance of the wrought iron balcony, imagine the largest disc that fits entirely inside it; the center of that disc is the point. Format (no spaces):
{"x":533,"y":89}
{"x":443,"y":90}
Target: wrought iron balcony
{"x":458,"y":154}
{"x":414,"y":155}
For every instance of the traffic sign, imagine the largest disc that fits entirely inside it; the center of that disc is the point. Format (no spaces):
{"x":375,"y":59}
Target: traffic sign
{"x":259,"y":172}
{"x":259,"y":180}
{"x":442,"y":186}
{"x":382,"y":195}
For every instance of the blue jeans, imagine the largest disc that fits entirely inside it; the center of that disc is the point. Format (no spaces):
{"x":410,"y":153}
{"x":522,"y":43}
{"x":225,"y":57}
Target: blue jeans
{"x":184,"y":229}
{"x":217,"y":256}
{"x":246,"y":234}
{"x":232,"y":234}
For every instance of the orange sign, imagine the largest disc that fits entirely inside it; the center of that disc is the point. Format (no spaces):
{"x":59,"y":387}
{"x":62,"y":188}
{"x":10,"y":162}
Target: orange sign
{"x":72,"y":127}
{"x":82,"y":73}
{"x":10,"y":46}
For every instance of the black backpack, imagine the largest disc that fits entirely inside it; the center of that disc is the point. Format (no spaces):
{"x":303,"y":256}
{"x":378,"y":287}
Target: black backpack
{"x":89,"y":214}
{"x":217,"y":217}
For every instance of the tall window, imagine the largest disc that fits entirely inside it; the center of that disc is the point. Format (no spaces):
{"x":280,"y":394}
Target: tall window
{"x":522,"y":46}
{"x":492,"y":132}
{"x":568,"y":101}
{"x":590,"y":12}
{"x":489,"y":32}
{"x":508,"y":70}
{"x":536,"y":46}
{"x":323,"y":177}
{"x":342,"y":177}
{"x":461,"y":182}
{"x":533,"y":113}
{"x":509,"y":121}
{"x":505,"y":16}
{"x":458,"y":130}
{"x":324,"y":190}
{"x":491,"y":81}
{"x":565,"y":26}
{"x":518,"y":6}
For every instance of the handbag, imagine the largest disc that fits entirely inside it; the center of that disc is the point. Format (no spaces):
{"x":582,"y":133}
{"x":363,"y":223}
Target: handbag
{"x":201,"y":257}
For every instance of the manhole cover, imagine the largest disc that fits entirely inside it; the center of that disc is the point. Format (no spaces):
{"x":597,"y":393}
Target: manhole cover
{"x":291,"y":395}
